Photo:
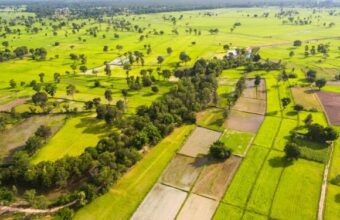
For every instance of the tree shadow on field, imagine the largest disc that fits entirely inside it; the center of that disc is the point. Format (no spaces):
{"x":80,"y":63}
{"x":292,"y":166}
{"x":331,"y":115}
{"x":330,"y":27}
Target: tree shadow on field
{"x":205,"y":160}
{"x":280,"y":162}
{"x":311,"y":91}
{"x":337,"y":198}
{"x":92,"y":126}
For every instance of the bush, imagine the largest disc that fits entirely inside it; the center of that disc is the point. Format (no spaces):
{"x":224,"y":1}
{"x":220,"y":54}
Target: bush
{"x":292,"y":151}
{"x":219,"y":150}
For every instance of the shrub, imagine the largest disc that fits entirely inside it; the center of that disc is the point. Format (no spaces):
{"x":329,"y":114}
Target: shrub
{"x":292,"y":151}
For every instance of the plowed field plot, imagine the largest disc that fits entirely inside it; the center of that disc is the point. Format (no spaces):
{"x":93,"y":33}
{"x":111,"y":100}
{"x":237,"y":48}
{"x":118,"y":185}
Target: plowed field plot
{"x":162,"y":202}
{"x":198,"y":208}
{"x":306,"y":97}
{"x":242,"y":121}
{"x":182,"y":171}
{"x":256,"y":106}
{"x":216,"y":177}
{"x":255,"y":93}
{"x":199,"y":142}
{"x":331,"y":103}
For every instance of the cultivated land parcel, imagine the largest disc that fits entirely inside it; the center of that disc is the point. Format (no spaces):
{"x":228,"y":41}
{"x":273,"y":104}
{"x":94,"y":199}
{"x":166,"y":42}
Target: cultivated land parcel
{"x":176,"y":178}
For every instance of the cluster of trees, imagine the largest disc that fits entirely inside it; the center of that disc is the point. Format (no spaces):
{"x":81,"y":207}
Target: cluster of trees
{"x":219,"y":150}
{"x":315,"y":132}
{"x":36,"y":141}
{"x":21,"y":52}
{"x":311,"y":77}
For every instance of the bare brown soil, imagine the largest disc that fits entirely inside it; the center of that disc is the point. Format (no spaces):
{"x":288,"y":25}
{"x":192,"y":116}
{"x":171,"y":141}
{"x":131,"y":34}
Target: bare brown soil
{"x":251,"y":105}
{"x":306,"y":97}
{"x":215,"y":177}
{"x":242,"y":121}
{"x":331,"y":103}
{"x":162,"y":202}
{"x":198,"y":208}
{"x":182,"y":172}
{"x":199,"y":142}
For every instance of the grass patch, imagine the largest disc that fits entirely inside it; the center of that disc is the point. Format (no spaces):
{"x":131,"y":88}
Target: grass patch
{"x":236,"y":140}
{"x":283,"y":135}
{"x":211,"y":118}
{"x":78,"y":133}
{"x":332,"y":210}
{"x":124,"y":197}
{"x":313,"y":151}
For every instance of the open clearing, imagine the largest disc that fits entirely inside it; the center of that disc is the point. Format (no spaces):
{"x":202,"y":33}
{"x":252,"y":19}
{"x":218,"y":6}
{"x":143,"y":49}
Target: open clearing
{"x":182,"y":171}
{"x":215,"y":177}
{"x":162,"y":202}
{"x":199,"y":142}
{"x":243,"y":121}
{"x":198,"y":208}
{"x":331,"y":103}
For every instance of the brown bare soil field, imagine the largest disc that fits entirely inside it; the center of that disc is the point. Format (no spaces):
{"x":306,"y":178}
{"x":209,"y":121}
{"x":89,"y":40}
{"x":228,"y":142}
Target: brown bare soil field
{"x":243,"y":121}
{"x":215,"y":177}
{"x":17,"y":135}
{"x":331,"y":103}
{"x":12,"y":104}
{"x":255,"y":93}
{"x":199,"y":142}
{"x":306,"y":97}
{"x":162,"y":202}
{"x":182,"y":172}
{"x":256,"y":106}
{"x":198,"y":208}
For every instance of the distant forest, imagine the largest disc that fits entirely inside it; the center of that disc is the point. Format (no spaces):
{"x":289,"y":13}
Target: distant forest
{"x":110,"y":7}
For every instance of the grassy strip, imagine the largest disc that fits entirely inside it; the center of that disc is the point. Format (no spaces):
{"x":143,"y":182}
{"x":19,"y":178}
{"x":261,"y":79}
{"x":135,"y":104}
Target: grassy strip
{"x":123,"y":199}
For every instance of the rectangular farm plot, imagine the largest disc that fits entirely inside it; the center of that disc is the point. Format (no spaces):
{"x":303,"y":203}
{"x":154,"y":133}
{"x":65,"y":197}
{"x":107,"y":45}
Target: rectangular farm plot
{"x":228,"y":212}
{"x":236,"y":140}
{"x":254,"y":92}
{"x":211,"y":118}
{"x":283,"y":136}
{"x":266,"y":183}
{"x":332,"y":210}
{"x":273,"y":99}
{"x":298,"y":193}
{"x":182,"y":172}
{"x":331,"y":103}
{"x":215,"y":177}
{"x":199,"y":142}
{"x":256,"y":106}
{"x":198,"y":208}
{"x":306,"y":97}
{"x":245,"y":177}
{"x":243,"y":121}
{"x":162,"y":202}
{"x":267,"y":132}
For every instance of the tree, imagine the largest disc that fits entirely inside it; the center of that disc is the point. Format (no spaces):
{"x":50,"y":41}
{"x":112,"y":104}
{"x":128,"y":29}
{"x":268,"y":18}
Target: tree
{"x":285,"y":102}
{"x":51,"y":89}
{"x":70,"y":90}
{"x":154,"y":89}
{"x":219,"y":151}
{"x":64,"y":214}
{"x":166,"y":74}
{"x":308,"y":120}
{"x":291,"y":53}
{"x":127,"y":68}
{"x":320,"y":83}
{"x":257,"y":80}
{"x":108,"y":95}
{"x":33,"y":144}
{"x":226,"y":47}
{"x":107,"y":70}
{"x":311,"y":75}
{"x":41,"y":76}
{"x":169,"y":50}
{"x":40,"y":98}
{"x":56,"y":77}
{"x":44,"y":132}
{"x":292,"y":151}
{"x":184,"y":57}
{"x":12,"y":83}
{"x":298,"y":107}
{"x":125,"y":93}
{"x":106,"y":48}
{"x":297,"y":43}
{"x":83,"y":68}
{"x":160,"y":60}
